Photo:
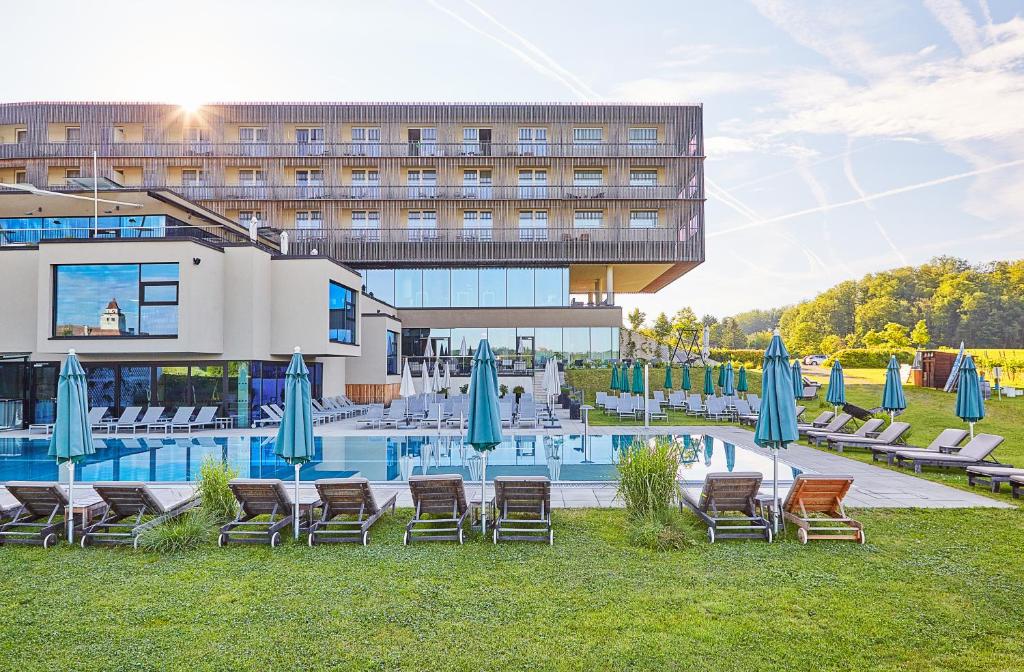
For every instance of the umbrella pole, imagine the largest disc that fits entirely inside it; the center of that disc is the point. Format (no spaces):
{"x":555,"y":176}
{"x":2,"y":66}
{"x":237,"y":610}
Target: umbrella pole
{"x":775,"y":490}
{"x":892,"y":417}
{"x":295,"y":520}
{"x":972,"y":430}
{"x":647,"y":416}
{"x":483,"y":494}
{"x":71,"y":502}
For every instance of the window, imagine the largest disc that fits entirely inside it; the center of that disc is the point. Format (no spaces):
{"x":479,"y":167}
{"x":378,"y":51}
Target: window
{"x":342,"y":314}
{"x":392,"y":353}
{"x":548,"y":287}
{"x":73,"y":134}
{"x":533,"y":224}
{"x":476,"y":183}
{"x":20,"y":177}
{"x":422,"y":183}
{"x":422,"y":141}
{"x":71,"y":173}
{"x":642,"y":177}
{"x":422,"y":224}
{"x":252,"y":177}
{"x":366,"y":224}
{"x":309,"y":182}
{"x":533,"y":141}
{"x":465,"y":287}
{"x":643,"y":136}
{"x":366,"y":141}
{"x":308,"y":219}
{"x":533,"y":183}
{"x":21,"y":135}
{"x":310,"y":140}
{"x":365,"y":184}
{"x":246,"y":216}
{"x":193,"y":177}
{"x":198,"y":140}
{"x":252,"y":134}
{"x":520,"y":287}
{"x":115,"y":300}
{"x":437,"y":288}
{"x":587,"y":136}
{"x":643,"y":219}
{"x":477,"y":224}
{"x":587,"y":219}
{"x":587,"y":177}
{"x":381,"y":284}
{"x":408,"y":288}
{"x":476,"y":141}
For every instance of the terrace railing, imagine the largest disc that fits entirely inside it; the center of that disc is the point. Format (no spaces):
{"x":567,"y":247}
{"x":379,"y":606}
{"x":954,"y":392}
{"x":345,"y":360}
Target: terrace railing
{"x":204,"y":192}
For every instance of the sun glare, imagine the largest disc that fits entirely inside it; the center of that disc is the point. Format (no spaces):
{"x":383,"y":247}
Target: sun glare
{"x":190,"y":106}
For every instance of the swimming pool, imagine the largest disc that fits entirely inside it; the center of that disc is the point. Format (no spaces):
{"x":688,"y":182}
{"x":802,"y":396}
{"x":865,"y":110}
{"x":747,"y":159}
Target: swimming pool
{"x":378,"y":458}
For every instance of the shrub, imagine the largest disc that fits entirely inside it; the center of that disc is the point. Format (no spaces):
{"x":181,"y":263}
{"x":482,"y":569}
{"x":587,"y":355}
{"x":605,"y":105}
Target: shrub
{"x":187,"y":531}
{"x":659,"y":532}
{"x":647,"y":477}
{"x":747,"y":357}
{"x":214,"y":493}
{"x":869,"y":358}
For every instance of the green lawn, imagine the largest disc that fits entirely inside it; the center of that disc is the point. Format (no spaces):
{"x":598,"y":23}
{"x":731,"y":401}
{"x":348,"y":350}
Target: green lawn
{"x":935,"y":590}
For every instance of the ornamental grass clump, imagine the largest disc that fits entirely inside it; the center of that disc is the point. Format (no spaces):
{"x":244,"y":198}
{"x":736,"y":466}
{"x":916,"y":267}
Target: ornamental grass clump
{"x":214,"y":494}
{"x":189,"y":530}
{"x":648,"y":477}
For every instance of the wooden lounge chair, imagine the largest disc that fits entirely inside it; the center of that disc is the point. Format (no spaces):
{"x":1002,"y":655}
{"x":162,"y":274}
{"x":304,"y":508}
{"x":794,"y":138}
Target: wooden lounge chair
{"x":947,"y":441}
{"x":834,"y":426}
{"x":39,"y":517}
{"x":976,"y":452}
{"x":729,"y":493}
{"x":815,"y":505}
{"x":261,"y":497}
{"x":127,"y":504}
{"x":1016,"y":486}
{"x":889,"y":436}
{"x":822,"y":420}
{"x":443,"y":497}
{"x":819,"y":436}
{"x":994,"y":477}
{"x":522,"y":509}
{"x":346,"y":497}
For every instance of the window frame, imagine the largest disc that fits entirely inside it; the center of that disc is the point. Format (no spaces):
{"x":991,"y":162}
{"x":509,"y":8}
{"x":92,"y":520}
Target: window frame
{"x":352,"y":310}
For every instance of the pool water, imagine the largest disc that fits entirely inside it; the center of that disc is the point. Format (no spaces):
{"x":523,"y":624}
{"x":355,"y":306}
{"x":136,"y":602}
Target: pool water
{"x":378,"y":458}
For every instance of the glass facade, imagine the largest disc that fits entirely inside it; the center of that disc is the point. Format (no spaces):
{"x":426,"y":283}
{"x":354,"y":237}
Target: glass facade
{"x":342,"y":314}
{"x":30,"y":230}
{"x":469,"y":287}
{"x":115,"y":300}
{"x":392,"y":353}
{"x":536,"y":344}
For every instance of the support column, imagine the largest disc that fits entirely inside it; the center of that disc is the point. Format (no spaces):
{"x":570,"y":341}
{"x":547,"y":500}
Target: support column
{"x":609,"y":284}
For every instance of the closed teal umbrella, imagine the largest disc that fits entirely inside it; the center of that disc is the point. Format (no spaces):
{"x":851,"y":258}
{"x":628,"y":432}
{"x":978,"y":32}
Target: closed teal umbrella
{"x":730,"y":456}
{"x":709,"y":383}
{"x":72,"y":434}
{"x":484,"y":429}
{"x":727,"y":387}
{"x":721,"y":375}
{"x":638,"y":378}
{"x":668,"y":377}
{"x":614,"y":385}
{"x":776,"y":423}
{"x":970,"y":405}
{"x":686,"y":378}
{"x":294,"y":442}
{"x":624,"y":378}
{"x":709,"y":449}
{"x":798,"y":380}
{"x":892,"y":396}
{"x":836,"y":386}
{"x":741,"y":380}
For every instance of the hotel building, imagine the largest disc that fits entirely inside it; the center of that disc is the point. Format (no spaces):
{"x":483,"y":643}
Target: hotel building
{"x":384,"y":232}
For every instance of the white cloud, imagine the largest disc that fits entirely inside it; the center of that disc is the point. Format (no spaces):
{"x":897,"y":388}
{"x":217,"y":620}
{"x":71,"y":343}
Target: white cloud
{"x":957,"y":21}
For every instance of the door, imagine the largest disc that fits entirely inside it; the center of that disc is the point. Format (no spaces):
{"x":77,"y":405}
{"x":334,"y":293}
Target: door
{"x":525,"y":350}
{"x":42,"y":393}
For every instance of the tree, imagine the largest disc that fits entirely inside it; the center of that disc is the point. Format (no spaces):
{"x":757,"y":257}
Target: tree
{"x":920,"y":336}
{"x":831,"y":344}
{"x":662,"y":329}
{"x":636,"y":319}
{"x":759,"y":340}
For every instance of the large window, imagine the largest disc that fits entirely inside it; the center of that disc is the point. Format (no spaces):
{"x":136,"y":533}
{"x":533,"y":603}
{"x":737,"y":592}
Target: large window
{"x":392,"y":350}
{"x":342,"y":314}
{"x":643,"y":136}
{"x":469,"y":287}
{"x":115,"y":300}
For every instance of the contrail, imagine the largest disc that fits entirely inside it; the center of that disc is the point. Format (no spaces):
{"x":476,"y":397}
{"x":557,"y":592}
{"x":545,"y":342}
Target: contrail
{"x":537,"y":51}
{"x":868,"y":198}
{"x":848,"y":171}
{"x":526,"y":58}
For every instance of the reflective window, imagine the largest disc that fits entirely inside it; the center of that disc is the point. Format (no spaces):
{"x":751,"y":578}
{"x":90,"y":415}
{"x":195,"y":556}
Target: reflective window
{"x":408,"y":288}
{"x":392,"y":353}
{"x":588,"y":219}
{"x":576,"y":344}
{"x":548,"y":288}
{"x":643,"y":219}
{"x":380,"y":283}
{"x":547,"y":343}
{"x":465,"y":287}
{"x":436,"y":288}
{"x":520,"y":287}
{"x":643,"y":136}
{"x":601,"y":343}
{"x":492,"y":288}
{"x":502,"y":340}
{"x":207,"y":385}
{"x":30,"y":230}
{"x":115,"y":300}
{"x":342,"y":327}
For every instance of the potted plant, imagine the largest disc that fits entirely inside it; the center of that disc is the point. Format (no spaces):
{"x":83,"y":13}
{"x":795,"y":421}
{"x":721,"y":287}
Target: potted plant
{"x":518,"y":391}
{"x":502,"y":390}
{"x":464,"y":388}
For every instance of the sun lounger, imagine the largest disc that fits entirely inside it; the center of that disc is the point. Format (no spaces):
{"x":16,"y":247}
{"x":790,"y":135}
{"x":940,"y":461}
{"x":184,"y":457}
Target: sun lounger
{"x":891,"y":435}
{"x":815,"y":505}
{"x":272,"y":417}
{"x":38,"y":518}
{"x":95,"y":420}
{"x":947,"y":441}
{"x":654,"y":411}
{"x":151,"y":416}
{"x":372,"y":418}
{"x":128,"y":419}
{"x":444,"y":498}
{"x":976,"y":452}
{"x":127,"y":504}
{"x":505,"y":413}
{"x":726,"y":493}
{"x":994,"y":477}
{"x":258,"y":497}
{"x":527,"y":414}
{"x":820,"y":436}
{"x":1016,"y":486}
{"x":206,"y":417}
{"x":716,"y":409}
{"x":821,"y":421}
{"x":834,"y":426}
{"x":694,"y":405}
{"x":396,"y":414}
{"x":522,"y":509}
{"x":346,"y":497}
{"x":181,"y":415}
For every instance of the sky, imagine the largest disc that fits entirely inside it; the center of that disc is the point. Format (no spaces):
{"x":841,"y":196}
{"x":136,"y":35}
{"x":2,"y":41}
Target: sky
{"x":842,"y":138}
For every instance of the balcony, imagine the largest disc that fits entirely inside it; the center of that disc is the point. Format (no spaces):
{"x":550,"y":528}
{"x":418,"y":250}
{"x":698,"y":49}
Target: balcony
{"x":203,"y":148}
{"x":404,"y":246}
{"x":204,"y":192}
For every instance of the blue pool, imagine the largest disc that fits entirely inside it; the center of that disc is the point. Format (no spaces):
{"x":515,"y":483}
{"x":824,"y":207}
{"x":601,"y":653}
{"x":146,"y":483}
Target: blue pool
{"x":378,"y":458}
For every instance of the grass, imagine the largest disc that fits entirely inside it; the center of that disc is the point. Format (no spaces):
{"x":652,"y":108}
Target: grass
{"x":936,"y":590}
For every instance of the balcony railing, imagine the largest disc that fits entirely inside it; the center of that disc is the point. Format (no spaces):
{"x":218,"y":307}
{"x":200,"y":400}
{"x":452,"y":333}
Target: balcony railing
{"x":486,"y":245}
{"x":201,"y":192}
{"x":340,"y":149}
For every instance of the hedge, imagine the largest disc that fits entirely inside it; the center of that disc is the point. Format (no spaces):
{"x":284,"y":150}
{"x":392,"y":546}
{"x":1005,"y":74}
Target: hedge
{"x":870,"y":358}
{"x":746,"y":356}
